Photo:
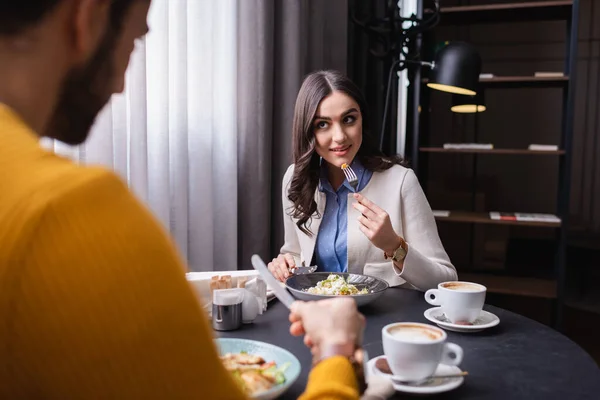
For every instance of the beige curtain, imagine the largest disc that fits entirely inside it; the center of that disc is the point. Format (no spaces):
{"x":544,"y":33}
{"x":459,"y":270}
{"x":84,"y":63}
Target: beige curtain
{"x":202,"y":131}
{"x":279,"y":43}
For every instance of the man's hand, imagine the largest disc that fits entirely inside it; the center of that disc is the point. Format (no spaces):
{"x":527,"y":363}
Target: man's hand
{"x":328,"y":324}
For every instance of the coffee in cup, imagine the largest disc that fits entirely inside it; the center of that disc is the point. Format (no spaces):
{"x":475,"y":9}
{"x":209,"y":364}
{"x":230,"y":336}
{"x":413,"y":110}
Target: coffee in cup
{"x":462,"y":286}
{"x":461,"y":302}
{"x":414,"y":333}
{"x":414,"y":350}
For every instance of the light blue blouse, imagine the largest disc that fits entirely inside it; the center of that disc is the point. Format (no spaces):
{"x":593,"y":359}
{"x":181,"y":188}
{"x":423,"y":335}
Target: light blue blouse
{"x":331,"y":250}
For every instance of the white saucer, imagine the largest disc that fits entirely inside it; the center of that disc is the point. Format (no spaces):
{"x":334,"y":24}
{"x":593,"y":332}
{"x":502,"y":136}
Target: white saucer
{"x":433,"y":386}
{"x":486,"y":320}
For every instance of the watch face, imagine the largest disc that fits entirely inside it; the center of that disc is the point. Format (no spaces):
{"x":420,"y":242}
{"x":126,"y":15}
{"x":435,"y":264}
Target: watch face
{"x":400,"y":254}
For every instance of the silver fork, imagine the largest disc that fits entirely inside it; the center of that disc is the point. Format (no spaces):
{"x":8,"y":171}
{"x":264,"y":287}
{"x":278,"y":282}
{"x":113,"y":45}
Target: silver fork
{"x":303,"y":270}
{"x":350,"y":176}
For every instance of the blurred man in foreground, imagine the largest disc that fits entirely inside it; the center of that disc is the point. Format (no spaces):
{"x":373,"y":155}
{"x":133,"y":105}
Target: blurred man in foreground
{"x":94,"y":300}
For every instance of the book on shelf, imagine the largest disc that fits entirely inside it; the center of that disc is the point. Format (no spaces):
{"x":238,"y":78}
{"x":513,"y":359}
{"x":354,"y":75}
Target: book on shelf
{"x":537,"y":217}
{"x":504,"y":216}
{"x":549,"y":74}
{"x":471,"y":146}
{"x":543,"y":147}
{"x":524,"y":217}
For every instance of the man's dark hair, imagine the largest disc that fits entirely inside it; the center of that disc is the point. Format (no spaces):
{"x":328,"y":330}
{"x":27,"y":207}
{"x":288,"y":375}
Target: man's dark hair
{"x":18,"y":15}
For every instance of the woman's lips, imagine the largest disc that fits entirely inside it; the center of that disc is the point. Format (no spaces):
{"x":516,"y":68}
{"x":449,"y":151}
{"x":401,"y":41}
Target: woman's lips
{"x":340,"y":151}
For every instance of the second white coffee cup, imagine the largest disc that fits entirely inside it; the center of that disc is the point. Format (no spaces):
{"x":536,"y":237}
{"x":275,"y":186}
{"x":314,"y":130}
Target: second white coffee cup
{"x":414,"y":350}
{"x":461,"y":302}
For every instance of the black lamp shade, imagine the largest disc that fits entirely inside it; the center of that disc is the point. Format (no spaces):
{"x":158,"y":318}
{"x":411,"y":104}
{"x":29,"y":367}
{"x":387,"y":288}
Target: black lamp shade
{"x":468,"y":104}
{"x":456,"y":69}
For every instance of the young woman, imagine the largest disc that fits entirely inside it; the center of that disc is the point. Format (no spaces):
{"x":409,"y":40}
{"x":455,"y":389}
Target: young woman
{"x":384,"y":227}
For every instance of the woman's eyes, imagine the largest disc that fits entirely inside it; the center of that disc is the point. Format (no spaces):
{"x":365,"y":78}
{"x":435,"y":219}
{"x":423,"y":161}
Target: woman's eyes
{"x":349,"y":119}
{"x":321,"y":125}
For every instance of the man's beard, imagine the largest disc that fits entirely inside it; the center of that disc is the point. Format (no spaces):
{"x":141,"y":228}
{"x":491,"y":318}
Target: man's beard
{"x":85,"y":91}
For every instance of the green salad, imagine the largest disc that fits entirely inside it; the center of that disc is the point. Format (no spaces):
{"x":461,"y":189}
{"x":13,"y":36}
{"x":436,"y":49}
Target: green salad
{"x":252,"y":373}
{"x":335,"y":285}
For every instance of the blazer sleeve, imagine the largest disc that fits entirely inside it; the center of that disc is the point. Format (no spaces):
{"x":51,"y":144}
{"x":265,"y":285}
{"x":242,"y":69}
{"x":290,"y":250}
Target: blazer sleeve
{"x":426,"y":263}
{"x":291,"y":243}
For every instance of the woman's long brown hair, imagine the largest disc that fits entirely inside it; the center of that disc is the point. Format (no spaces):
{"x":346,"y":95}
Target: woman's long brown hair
{"x":305,"y":179}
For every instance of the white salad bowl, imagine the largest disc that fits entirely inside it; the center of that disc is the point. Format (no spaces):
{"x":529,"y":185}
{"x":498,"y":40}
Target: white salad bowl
{"x":298,"y":285}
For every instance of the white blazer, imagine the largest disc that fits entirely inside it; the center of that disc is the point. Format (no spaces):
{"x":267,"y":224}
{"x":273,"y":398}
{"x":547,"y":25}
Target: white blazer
{"x":398,"y":192}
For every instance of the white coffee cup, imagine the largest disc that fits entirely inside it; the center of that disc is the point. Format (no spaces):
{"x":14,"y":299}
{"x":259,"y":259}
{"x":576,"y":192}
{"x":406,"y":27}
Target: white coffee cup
{"x":461,"y":302}
{"x":414,"y":350}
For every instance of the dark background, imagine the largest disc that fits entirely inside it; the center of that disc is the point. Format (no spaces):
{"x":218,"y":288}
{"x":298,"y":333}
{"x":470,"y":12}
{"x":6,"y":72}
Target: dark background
{"x":514,"y":119}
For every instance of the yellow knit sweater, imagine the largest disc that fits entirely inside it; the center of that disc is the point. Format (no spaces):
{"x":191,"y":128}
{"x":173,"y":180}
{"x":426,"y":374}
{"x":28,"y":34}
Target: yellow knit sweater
{"x":93,"y":297}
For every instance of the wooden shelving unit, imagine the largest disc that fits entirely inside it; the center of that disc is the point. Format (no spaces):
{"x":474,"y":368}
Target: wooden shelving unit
{"x":508,"y":82}
{"x":521,"y":286}
{"x":517,"y":11}
{"x":493,"y":151}
{"x":506,"y":12}
{"x":484,"y":218}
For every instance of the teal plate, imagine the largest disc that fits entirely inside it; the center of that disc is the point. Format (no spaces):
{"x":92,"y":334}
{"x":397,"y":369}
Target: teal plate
{"x":270,"y":353}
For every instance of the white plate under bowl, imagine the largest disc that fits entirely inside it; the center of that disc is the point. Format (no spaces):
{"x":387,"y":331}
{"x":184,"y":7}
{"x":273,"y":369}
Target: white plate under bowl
{"x":485,"y":320}
{"x":434,"y":386}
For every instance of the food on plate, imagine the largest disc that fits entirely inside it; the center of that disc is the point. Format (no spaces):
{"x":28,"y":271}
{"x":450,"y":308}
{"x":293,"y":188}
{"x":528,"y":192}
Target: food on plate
{"x":252,"y":372}
{"x":335,"y":285}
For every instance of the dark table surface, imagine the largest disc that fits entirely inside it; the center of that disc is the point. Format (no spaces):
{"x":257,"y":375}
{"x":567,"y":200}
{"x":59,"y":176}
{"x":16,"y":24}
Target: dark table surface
{"x":518,"y":359}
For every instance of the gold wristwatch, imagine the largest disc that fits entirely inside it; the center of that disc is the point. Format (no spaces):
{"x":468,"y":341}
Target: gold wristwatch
{"x":400,"y":253}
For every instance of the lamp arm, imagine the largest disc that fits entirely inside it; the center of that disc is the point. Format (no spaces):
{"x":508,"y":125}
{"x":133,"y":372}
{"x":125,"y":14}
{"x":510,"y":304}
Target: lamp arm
{"x":429,"y":64}
{"x":390,"y":29}
{"x":401,"y":64}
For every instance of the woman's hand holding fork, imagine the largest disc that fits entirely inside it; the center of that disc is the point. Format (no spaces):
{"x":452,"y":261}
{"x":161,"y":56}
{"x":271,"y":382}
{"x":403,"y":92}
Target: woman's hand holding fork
{"x":280,"y":267}
{"x":375,"y":223}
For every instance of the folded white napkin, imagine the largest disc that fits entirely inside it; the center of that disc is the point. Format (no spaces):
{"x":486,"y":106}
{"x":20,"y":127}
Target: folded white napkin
{"x":378,"y":388}
{"x":259,"y":288}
